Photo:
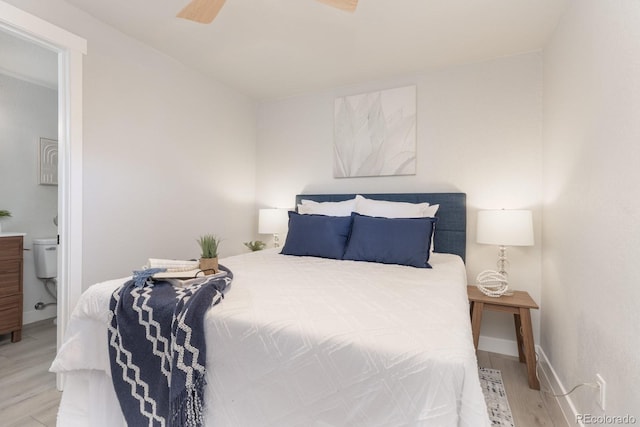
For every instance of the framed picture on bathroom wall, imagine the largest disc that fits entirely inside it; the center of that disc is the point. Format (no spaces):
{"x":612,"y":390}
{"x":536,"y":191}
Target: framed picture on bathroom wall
{"x":48,"y":157}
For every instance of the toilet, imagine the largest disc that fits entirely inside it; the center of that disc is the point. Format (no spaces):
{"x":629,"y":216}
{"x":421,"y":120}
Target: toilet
{"x":45,"y":255}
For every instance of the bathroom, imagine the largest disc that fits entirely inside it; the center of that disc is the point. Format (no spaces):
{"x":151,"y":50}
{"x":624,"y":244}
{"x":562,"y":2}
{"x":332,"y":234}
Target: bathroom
{"x":28,"y":113}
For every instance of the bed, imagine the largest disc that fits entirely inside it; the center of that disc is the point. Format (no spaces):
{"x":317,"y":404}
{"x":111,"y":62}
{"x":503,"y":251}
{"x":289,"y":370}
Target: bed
{"x":311,"y":341}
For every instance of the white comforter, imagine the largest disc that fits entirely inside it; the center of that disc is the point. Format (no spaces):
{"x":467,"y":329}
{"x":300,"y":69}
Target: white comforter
{"x":301,"y":341}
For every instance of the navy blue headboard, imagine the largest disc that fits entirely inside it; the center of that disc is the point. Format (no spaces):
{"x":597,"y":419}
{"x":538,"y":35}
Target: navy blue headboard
{"x":451,"y":230}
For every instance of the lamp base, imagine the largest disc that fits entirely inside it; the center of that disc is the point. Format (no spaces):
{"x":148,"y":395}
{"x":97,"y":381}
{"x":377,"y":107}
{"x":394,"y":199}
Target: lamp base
{"x":503,"y":262}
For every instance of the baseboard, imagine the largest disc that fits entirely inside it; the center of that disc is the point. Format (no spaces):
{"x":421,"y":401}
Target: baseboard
{"x":498,"y":345}
{"x":550,"y":378}
{"x":33,"y":316}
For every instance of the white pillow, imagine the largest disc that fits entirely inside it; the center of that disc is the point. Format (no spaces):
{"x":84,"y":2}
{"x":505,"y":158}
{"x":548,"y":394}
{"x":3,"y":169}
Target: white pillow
{"x":431,"y":211}
{"x":344,"y":208}
{"x":387,"y":209}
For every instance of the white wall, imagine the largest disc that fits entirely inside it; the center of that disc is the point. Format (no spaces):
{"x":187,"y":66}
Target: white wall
{"x":168,"y":154}
{"x":27,"y":113}
{"x":591,"y":320}
{"x":479,"y":131}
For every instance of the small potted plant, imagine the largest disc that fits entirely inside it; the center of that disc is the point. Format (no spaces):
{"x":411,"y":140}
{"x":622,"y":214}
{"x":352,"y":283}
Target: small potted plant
{"x":4,"y":214}
{"x":209,"y":244}
{"x":258,"y":245}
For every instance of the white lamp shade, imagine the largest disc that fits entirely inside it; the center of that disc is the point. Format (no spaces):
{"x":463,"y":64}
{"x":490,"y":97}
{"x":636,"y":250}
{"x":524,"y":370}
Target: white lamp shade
{"x":271,"y":221}
{"x":505,"y":227}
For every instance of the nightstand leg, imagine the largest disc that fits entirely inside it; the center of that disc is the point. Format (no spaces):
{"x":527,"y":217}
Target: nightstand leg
{"x":529,"y":350}
{"x":16,"y":335}
{"x":516,"y":320}
{"x":476,"y":321}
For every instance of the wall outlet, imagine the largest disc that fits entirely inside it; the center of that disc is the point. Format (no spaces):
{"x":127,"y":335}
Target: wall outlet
{"x":602,"y":391}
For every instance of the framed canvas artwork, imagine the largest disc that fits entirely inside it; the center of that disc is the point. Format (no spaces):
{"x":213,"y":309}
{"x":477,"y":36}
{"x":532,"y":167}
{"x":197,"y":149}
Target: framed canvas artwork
{"x":48,"y":162}
{"x":375,"y":134}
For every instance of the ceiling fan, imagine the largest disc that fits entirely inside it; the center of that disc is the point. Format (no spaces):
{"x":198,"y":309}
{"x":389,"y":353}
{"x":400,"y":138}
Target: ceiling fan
{"x":204,"y":11}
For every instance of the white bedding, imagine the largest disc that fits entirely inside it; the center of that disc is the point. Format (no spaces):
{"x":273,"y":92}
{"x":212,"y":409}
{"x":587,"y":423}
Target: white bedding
{"x":301,"y":341}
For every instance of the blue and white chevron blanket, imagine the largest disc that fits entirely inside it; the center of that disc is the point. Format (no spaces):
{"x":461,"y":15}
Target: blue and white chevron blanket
{"x":157,"y":348}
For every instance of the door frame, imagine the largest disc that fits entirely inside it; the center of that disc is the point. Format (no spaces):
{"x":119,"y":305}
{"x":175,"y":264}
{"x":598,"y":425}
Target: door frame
{"x":70,"y":49}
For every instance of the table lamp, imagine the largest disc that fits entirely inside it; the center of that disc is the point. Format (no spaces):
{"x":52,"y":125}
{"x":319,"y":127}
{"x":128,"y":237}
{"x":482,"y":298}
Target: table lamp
{"x":503,"y":227}
{"x":272,"y":221}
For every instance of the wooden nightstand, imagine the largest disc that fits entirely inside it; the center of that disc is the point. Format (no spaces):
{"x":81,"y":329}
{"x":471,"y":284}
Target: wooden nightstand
{"x":519,"y":304}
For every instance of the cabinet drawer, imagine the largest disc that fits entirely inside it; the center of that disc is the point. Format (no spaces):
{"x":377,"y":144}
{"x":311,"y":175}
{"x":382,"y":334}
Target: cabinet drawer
{"x":11,"y":248}
{"x":10,"y":277}
{"x":10,"y":313}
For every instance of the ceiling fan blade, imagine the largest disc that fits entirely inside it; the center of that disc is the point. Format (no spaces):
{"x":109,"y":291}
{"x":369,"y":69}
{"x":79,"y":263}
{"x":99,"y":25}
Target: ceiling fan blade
{"x":202,"y":11}
{"x":348,"y":5}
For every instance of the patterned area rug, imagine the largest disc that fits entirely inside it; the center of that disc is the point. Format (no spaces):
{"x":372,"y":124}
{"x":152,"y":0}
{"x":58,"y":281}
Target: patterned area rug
{"x":496,"y":397}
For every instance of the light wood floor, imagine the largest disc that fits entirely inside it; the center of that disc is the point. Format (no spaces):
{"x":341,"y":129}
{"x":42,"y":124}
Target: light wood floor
{"x":530,"y":408}
{"x":28,"y":395}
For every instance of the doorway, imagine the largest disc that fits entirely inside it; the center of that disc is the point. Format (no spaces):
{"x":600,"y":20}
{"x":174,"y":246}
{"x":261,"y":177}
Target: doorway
{"x":29,"y":133}
{"x":70,"y":50}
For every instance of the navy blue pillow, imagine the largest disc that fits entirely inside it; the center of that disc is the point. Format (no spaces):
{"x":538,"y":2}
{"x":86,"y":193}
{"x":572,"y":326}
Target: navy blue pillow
{"x":317,"y":235}
{"x":404,"y":241}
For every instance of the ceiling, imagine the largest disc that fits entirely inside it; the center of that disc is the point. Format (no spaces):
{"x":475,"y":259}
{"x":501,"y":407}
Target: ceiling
{"x":270,"y":49}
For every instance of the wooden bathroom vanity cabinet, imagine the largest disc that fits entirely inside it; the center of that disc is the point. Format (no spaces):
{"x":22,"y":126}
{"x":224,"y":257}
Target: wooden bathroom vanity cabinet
{"x":11,"y":263}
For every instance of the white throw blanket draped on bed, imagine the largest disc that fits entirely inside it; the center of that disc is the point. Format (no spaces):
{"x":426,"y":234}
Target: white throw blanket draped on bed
{"x":303,"y":341}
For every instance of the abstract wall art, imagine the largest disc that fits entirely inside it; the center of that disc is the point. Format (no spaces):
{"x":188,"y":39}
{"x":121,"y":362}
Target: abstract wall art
{"x":375,"y":134}
{"x":48,"y":161}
